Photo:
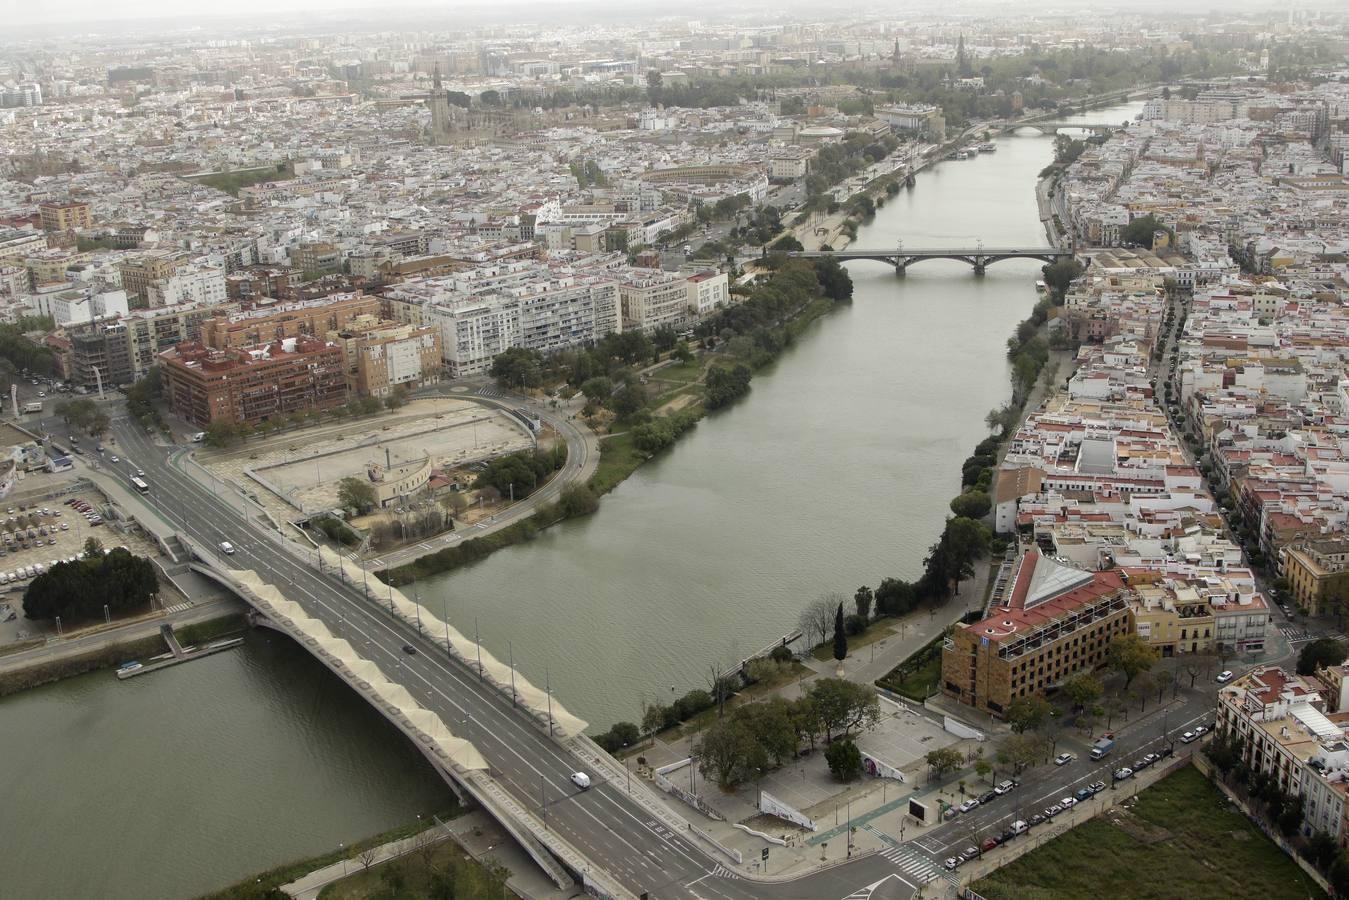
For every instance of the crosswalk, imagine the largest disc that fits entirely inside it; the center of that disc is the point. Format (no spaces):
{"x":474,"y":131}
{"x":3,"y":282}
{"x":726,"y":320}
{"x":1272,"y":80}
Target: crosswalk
{"x":1296,"y":635}
{"x":490,"y":392}
{"x":177,"y":607}
{"x":723,"y":872}
{"x":912,"y":863}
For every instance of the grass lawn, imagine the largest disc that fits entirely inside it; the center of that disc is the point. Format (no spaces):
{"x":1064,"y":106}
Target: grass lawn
{"x":421,"y":874}
{"x":1179,"y":839}
{"x":876,"y":631}
{"x":618,"y":459}
{"x":231,"y":182}
{"x":689,"y":372}
{"x":749,"y":694}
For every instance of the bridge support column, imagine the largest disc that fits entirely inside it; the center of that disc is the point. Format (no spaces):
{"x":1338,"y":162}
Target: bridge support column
{"x":900,"y":268}
{"x":979,"y":266}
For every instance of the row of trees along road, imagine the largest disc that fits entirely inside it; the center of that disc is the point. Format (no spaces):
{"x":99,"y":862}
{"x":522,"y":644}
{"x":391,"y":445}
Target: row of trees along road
{"x":756,"y":737}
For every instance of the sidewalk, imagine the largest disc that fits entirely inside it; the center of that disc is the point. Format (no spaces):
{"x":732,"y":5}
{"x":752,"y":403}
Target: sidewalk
{"x":475,"y":832}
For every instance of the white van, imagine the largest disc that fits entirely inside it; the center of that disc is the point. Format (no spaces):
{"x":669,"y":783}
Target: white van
{"x":1019,"y":827}
{"x":581,"y":780}
{"x":227,"y":548}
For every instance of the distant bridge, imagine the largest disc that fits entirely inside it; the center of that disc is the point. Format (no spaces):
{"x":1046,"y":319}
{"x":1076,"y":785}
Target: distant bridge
{"x":1055,"y":127}
{"x":979,"y":257}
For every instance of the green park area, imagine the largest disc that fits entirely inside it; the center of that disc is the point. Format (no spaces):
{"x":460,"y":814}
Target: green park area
{"x":1179,"y":838}
{"x":231,"y":182}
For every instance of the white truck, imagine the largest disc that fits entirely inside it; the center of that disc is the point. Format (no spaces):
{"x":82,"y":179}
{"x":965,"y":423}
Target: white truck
{"x":34,"y":407}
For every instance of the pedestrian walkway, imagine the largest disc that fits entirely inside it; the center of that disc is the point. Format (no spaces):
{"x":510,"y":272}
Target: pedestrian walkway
{"x":913,"y":863}
{"x":1296,"y":635}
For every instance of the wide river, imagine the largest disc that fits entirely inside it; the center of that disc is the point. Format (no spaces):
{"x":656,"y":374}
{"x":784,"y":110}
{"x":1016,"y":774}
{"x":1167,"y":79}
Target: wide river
{"x":834,"y":472}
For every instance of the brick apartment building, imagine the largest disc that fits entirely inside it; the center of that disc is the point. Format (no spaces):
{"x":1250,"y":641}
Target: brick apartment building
{"x":1056,"y":621}
{"x":253,"y":385}
{"x":66,"y":216}
{"x":263,"y":325}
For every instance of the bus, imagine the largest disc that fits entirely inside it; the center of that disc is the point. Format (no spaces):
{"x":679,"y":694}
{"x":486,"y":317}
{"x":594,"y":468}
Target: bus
{"x":140,"y":485}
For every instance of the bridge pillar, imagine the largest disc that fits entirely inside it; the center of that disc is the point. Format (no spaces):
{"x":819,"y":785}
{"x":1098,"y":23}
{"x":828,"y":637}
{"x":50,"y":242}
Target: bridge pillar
{"x":900,"y":266}
{"x":980,"y":264}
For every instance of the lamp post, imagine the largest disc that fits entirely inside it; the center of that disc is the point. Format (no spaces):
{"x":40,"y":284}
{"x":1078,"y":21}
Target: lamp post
{"x":627,"y":772}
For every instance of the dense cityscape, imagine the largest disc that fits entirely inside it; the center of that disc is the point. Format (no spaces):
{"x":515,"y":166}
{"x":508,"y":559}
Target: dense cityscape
{"x":500,"y":409}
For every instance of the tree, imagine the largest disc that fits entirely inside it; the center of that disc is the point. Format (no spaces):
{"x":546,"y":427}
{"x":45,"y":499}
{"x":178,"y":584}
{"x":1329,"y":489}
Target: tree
{"x":82,"y":589}
{"x":894,"y":597}
{"x":844,"y":759}
{"x":1290,"y":817}
{"x":517,"y":367}
{"x":772,"y":727}
{"x":354,"y":493}
{"x":815,"y":619}
{"x":92,"y":546}
{"x":368,"y":857}
{"x":1082,"y":690}
{"x":971,"y":504}
{"x":1139,"y":232}
{"x":1321,"y":849}
{"x":1022,"y":750}
{"x":221,"y":433}
{"x":729,"y":751}
{"x":1028,"y":713}
{"x":840,"y":638}
{"x":1130,"y":655}
{"x":1059,"y":275}
{"x":654,"y":718}
{"x":844,"y":705}
{"x":725,"y":385}
{"x":944,"y":761}
{"x":1320,"y":654}
{"x":863,"y":599}
{"x":982,"y":767}
{"x":397,"y":398}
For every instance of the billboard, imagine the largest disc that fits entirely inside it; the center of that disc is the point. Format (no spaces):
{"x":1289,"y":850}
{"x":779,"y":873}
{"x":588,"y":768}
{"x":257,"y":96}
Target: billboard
{"x":919,"y":811}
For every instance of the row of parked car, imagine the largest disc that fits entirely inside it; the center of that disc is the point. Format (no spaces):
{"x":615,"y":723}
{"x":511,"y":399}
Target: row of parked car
{"x":1003,"y":787}
{"x":85,"y":509}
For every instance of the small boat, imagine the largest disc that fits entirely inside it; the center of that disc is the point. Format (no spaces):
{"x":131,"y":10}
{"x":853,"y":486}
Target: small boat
{"x":1041,"y":287}
{"x":988,"y":147}
{"x":962,"y":154}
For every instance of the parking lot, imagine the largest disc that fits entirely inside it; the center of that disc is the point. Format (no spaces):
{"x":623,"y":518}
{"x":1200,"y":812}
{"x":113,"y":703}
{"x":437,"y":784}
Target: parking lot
{"x":33,"y":536}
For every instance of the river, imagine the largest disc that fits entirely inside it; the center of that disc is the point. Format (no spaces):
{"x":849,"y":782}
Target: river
{"x":834,"y":472}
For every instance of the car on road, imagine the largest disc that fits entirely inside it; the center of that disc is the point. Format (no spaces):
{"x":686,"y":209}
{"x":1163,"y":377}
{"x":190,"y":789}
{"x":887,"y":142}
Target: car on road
{"x":953,"y":863}
{"x":1189,"y":737}
{"x":1096,"y":787}
{"x":580,"y":779}
{"x":968,"y":805}
{"x":1121,"y":774}
{"x":988,"y":797}
{"x":1200,"y":730}
{"x":969,"y":853}
{"x":1225,"y":676}
{"x":1142,"y":764}
{"x":1063,"y":759}
{"x":1152,"y":758}
{"x":409,"y":650}
{"x":1003,"y":787}
{"x":227,"y":548}
{"x":114,"y":458}
{"x":1068,"y":802}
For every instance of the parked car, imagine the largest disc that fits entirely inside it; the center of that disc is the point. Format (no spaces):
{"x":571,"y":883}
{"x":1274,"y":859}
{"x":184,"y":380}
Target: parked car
{"x":953,"y":863}
{"x":1225,"y":676}
{"x":1052,"y":811}
{"x":1121,"y":774}
{"x":1151,"y":758}
{"x":1096,"y":786}
{"x":969,"y":853}
{"x":1068,"y":802}
{"x":989,"y":844}
{"x":1142,"y":764}
{"x":987,"y":797}
{"x":968,"y":805}
{"x":1036,"y":819}
{"x":1004,"y":786}
{"x":1200,"y":730}
{"x":1082,"y":794}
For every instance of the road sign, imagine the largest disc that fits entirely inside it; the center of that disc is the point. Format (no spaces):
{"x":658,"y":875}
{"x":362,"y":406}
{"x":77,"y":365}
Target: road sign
{"x":765,"y":854}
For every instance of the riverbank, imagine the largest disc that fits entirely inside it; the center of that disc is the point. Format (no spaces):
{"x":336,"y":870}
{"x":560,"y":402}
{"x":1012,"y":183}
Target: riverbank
{"x":48,"y":661}
{"x":622,"y":452}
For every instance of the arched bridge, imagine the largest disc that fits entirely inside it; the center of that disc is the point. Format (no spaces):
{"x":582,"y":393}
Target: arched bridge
{"x":1056,"y":127}
{"x":979,"y":257}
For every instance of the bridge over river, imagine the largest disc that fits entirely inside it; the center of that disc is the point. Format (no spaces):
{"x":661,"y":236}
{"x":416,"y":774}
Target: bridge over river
{"x":978,"y":256}
{"x":497,"y":739}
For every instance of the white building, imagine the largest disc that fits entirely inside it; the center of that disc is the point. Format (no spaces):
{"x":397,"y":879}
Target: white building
{"x":198,"y":284}
{"x":653,"y":299}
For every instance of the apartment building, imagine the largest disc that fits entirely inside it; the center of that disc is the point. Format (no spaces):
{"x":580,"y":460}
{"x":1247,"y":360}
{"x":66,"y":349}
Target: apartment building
{"x":1281,"y":725}
{"x":138,"y":274}
{"x":100,"y":354}
{"x":202,"y":285}
{"x":652,"y":300}
{"x":317,"y":258}
{"x":16,"y":244}
{"x":264,"y":324}
{"x":483,"y":311}
{"x":1315,"y":570}
{"x":70,"y":215}
{"x":152,"y":331}
{"x":253,"y":385}
{"x":382,"y":355}
{"x":1055,"y":621}
{"x":708,"y":291}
